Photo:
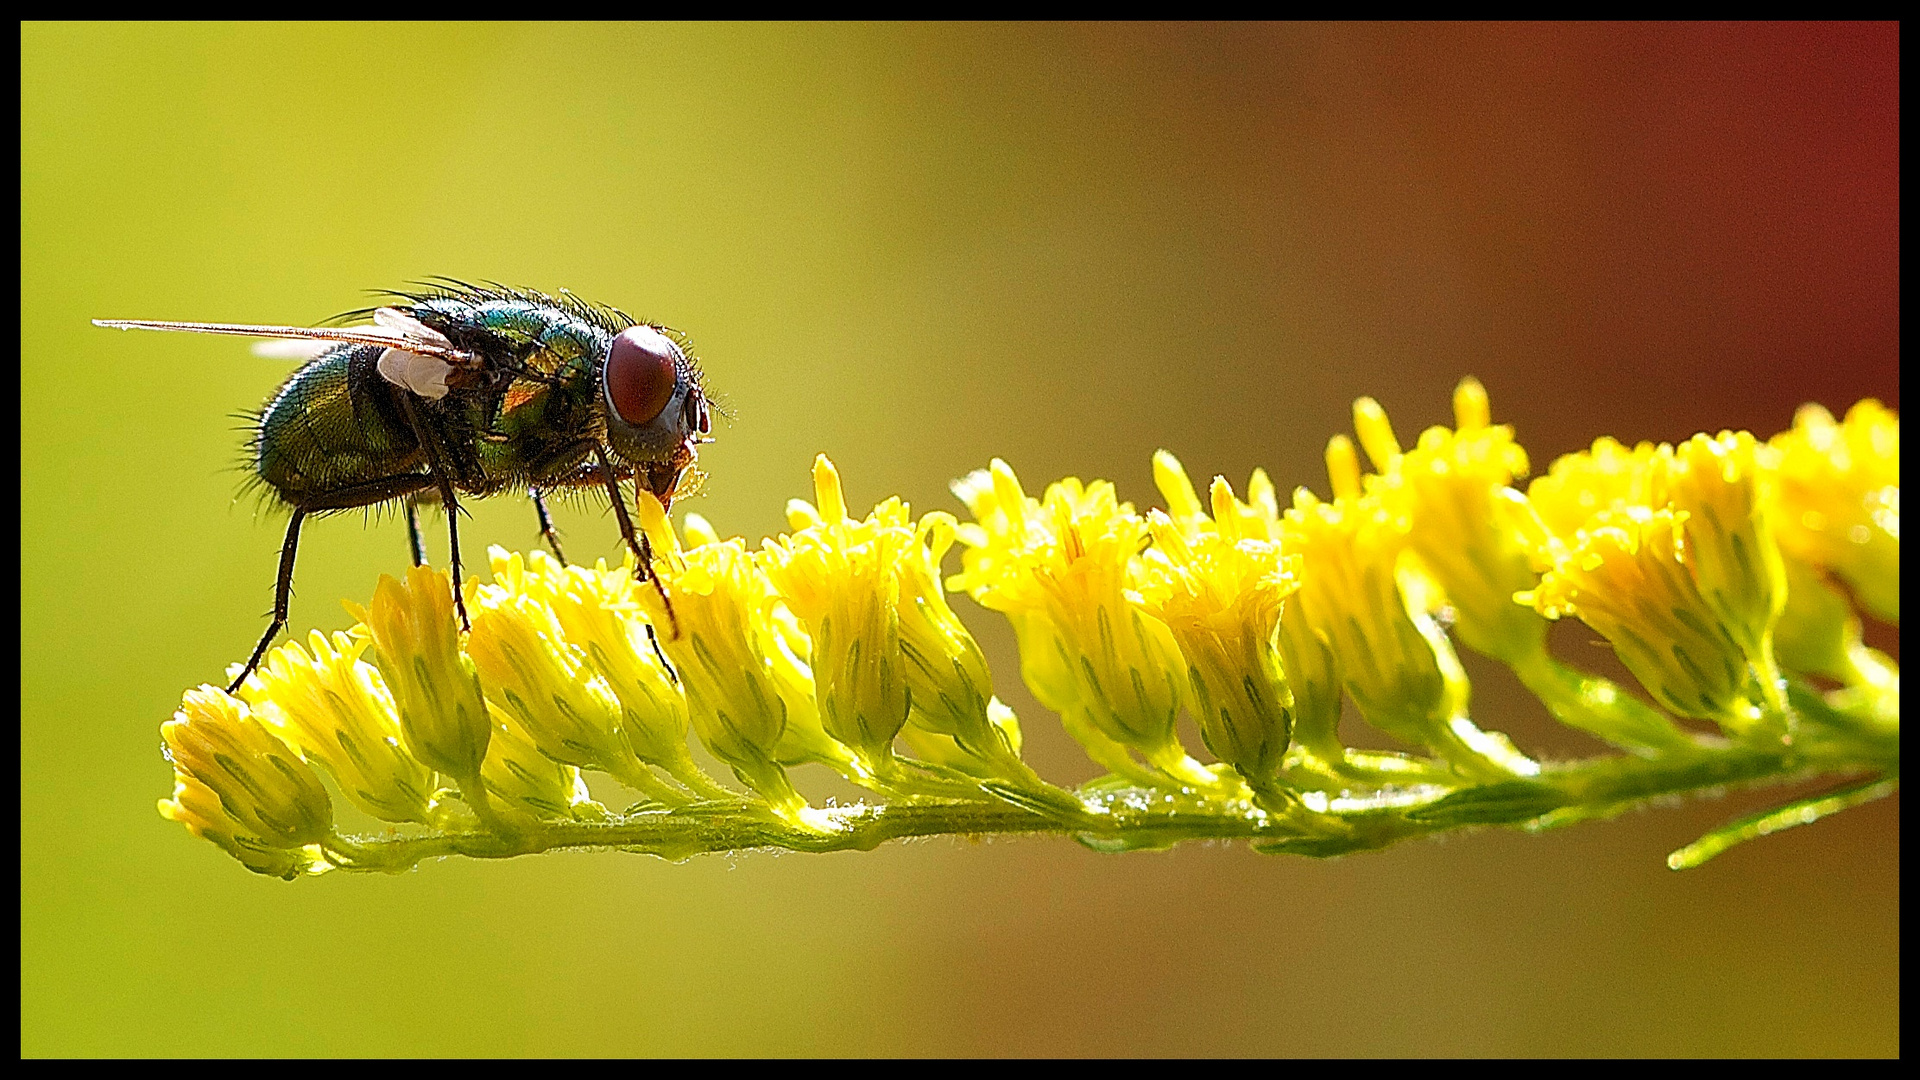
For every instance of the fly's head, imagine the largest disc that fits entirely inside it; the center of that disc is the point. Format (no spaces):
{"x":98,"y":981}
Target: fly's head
{"x":656,"y":410}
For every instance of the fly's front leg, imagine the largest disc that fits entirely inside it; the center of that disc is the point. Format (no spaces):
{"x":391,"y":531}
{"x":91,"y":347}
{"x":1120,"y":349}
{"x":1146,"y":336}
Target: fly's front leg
{"x":282,"y":597}
{"x":637,"y":542}
{"x":438,"y":472}
{"x":546,"y":525}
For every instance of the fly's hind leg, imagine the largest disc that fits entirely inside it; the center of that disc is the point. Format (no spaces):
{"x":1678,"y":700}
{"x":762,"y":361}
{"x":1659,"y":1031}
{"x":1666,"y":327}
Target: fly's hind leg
{"x":547,"y":532}
{"x":369,"y":493}
{"x":282,"y":597}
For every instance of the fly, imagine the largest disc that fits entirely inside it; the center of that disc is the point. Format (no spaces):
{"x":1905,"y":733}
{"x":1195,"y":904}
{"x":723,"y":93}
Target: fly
{"x":469,"y":390}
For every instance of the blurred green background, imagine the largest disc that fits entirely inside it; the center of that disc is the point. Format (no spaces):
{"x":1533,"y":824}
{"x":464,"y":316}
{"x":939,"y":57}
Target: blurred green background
{"x":915,"y":248}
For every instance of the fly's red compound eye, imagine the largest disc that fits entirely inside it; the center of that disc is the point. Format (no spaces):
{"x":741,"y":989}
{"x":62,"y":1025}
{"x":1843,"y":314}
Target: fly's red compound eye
{"x":641,"y":370}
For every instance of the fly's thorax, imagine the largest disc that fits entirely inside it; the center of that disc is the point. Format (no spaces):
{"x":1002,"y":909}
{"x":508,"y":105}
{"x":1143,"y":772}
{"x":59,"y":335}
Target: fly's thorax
{"x":546,"y":431}
{"x":510,"y":332}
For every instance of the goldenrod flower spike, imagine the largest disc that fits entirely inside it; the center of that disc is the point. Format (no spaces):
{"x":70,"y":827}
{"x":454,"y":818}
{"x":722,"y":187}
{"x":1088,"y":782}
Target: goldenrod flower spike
{"x":436,"y":692}
{"x":266,"y":797}
{"x":1710,"y":568}
{"x":1840,"y":499}
{"x":730,"y":664}
{"x":333,"y":707}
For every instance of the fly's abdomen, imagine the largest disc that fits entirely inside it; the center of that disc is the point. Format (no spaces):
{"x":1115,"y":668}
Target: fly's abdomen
{"x":332,"y":427}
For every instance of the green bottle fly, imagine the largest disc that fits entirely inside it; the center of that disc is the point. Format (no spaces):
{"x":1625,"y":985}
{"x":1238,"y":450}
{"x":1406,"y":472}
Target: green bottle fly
{"x":469,"y":390}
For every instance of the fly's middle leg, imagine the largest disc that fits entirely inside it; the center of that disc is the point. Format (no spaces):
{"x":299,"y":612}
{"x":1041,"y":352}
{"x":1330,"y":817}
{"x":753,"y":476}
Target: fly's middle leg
{"x":437,"y":473}
{"x":415,"y":545}
{"x":547,"y":532}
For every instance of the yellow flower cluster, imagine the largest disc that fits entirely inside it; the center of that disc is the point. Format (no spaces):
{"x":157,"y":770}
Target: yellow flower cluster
{"x":1697,"y":561}
{"x":1715,"y":568}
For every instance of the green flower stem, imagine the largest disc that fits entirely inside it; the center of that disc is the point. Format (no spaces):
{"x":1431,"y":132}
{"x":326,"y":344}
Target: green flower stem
{"x":1116,"y":815}
{"x":480,"y":801}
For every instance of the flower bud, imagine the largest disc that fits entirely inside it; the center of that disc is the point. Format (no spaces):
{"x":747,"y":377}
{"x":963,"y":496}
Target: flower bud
{"x":1063,"y":571}
{"x":334,"y":709}
{"x":1625,"y":576}
{"x":1374,"y":613}
{"x":196,"y":806}
{"x":1840,"y":499}
{"x":1453,"y":490}
{"x":519,"y":772}
{"x":601,"y":614}
{"x":260,"y":783}
{"x":946,"y":671}
{"x":1220,"y":594}
{"x":841,"y":578}
{"x":538,"y":678}
{"x":1608,"y":476}
{"x":739,"y":677}
{"x":1725,"y":488}
{"x":416,"y":643}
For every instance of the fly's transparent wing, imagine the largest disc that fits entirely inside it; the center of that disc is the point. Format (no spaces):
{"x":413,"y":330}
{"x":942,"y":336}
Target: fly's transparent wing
{"x":417,"y":356}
